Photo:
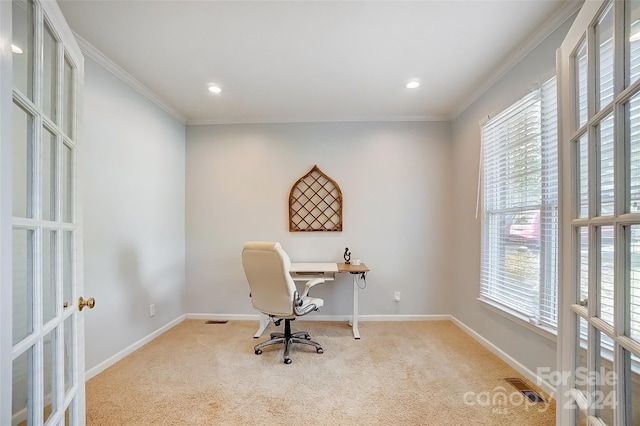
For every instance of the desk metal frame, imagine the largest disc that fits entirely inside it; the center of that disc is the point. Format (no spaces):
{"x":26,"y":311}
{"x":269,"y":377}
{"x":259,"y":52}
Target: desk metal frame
{"x":308,"y":271}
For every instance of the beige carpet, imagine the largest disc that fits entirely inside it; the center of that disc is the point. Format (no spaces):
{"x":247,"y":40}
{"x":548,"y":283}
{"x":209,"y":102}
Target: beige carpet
{"x":399,"y":373}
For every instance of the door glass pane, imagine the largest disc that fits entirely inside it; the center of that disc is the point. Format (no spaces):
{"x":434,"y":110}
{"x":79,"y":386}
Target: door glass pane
{"x":604,"y":48}
{"x":48,"y":174}
{"x":582,"y":418}
{"x":49,"y":364}
{"x":67,"y":183}
{"x":67,"y":420}
{"x":634,"y":278}
{"x":581,"y":78}
{"x":605,"y":392}
{"x":68,"y":105}
{"x":69,"y":338}
{"x":22,"y":47}
{"x":581,"y":357}
{"x":634,"y":40}
{"x":634,"y":384}
{"x":605,"y":143}
{"x":583,"y":175}
{"x":22,"y":162}
{"x":606,"y":273}
{"x":633,"y":130}
{"x":48,"y":275}
{"x":49,"y":76}
{"x":67,"y":267}
{"x":583,"y":234}
{"x":22,"y":385}
{"x":22,"y":283}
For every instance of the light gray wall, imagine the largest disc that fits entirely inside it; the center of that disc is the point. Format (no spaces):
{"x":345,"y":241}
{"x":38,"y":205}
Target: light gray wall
{"x":525,"y":346}
{"x":395,"y":181}
{"x":132,"y":185}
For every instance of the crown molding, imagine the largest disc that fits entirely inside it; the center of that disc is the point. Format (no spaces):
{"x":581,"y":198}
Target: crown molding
{"x":90,"y":51}
{"x":569,"y":8}
{"x":208,"y":121}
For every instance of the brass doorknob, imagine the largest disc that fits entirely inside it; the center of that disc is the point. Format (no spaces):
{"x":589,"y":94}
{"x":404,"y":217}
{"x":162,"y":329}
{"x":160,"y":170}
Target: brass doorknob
{"x":90,"y":303}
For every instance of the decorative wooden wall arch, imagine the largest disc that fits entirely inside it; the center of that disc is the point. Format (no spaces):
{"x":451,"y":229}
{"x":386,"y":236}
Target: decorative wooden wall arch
{"x":315,"y":203}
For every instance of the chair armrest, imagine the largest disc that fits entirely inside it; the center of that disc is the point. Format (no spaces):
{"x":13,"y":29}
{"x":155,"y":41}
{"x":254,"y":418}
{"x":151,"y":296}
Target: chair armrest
{"x":311,"y":283}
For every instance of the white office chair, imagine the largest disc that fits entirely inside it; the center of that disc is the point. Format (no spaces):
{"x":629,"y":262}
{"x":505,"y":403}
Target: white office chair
{"x":274,"y":293}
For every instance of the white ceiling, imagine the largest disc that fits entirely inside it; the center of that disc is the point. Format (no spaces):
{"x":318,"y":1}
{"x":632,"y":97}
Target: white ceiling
{"x":292,"y":61}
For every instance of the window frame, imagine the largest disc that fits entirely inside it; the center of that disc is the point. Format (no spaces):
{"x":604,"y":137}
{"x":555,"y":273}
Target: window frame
{"x":545,"y":285}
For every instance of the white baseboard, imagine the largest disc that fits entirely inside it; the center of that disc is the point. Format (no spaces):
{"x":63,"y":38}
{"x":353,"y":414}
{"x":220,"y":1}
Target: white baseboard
{"x":528,"y":374}
{"x":404,"y":317}
{"x":224,"y":317}
{"x":137,"y":345}
{"x":313,"y":317}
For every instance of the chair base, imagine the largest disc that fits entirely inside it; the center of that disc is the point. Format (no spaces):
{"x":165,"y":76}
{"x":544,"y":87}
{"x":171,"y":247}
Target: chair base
{"x":288,"y":338}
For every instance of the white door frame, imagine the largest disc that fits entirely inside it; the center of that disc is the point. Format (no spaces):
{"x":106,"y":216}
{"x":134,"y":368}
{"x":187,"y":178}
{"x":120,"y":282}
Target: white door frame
{"x":5,"y":212}
{"x":57,"y":22}
{"x":571,"y":307}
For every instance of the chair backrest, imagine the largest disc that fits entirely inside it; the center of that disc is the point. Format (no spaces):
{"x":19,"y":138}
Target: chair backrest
{"x":266,"y":267}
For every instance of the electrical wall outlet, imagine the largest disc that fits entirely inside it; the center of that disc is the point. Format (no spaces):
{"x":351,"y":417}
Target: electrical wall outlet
{"x":152,"y":310}
{"x":396,"y":296}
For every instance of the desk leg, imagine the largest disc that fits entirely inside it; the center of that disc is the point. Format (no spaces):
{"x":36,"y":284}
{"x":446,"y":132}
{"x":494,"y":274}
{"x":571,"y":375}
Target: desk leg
{"x":264,"y":322}
{"x":354,"y":320}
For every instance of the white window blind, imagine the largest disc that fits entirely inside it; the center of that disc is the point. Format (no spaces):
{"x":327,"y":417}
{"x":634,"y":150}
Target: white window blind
{"x":520,"y":208}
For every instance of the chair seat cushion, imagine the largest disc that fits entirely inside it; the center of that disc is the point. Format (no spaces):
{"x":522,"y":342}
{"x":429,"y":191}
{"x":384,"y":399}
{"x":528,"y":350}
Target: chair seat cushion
{"x":312,"y":301}
{"x":309,"y":304}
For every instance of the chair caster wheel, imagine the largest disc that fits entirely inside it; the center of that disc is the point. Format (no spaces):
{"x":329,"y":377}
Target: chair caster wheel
{"x":306,"y":336}
{"x":287,"y":360}
{"x":258,"y":351}
{"x":319,"y":350}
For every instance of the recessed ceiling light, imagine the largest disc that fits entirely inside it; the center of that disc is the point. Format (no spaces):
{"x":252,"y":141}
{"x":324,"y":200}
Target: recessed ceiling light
{"x":215,"y":89}
{"x":16,"y":49}
{"x":413,"y":84}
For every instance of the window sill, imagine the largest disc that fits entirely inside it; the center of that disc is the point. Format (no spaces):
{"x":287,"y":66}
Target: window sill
{"x":546,"y":332}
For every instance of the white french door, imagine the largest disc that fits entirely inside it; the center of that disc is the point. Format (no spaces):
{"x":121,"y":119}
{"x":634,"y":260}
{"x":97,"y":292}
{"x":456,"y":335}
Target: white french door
{"x":599,"y":356}
{"x":40,"y":217}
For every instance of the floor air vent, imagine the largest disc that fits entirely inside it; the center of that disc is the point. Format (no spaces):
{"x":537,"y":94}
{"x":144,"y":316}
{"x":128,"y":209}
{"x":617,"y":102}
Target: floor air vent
{"x":215,"y":322}
{"x":525,"y":389}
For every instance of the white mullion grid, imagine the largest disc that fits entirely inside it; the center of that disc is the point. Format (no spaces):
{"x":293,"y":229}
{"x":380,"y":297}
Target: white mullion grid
{"x":575,"y":206}
{"x":572,"y":253}
{"x":74,"y":99}
{"x":59,"y":310}
{"x":73,"y":391}
{"x":59,"y":77}
{"x":595,"y":421}
{"x":71,"y":402}
{"x":20,"y":347}
{"x":37,"y":402}
{"x":72,"y":137}
{"x":579,"y":309}
{"x":570,"y":322}
{"x":630,"y":345}
{"x":58,"y":383}
{"x":620,"y":252}
{"x":58,"y":350}
{"x":602,"y":326}
{"x":622,"y":186}
{"x":73,"y":196}
{"x":593,"y":199}
{"x":622,"y":294}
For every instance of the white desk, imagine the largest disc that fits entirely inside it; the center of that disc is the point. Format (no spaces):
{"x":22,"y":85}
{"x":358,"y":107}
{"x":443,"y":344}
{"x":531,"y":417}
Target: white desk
{"x":308,"y":271}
